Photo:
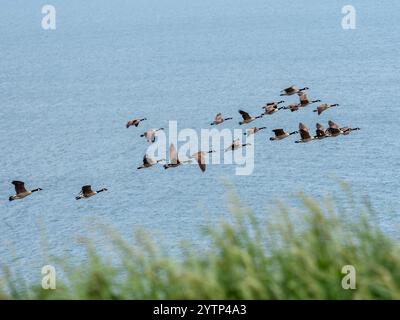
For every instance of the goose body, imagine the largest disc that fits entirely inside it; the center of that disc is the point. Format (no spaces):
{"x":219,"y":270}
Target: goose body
{"x":333,"y":130}
{"x":304,"y":134}
{"x":292,"y":90}
{"x":87,"y":192}
{"x":304,"y":101}
{"x":247,"y":118}
{"x":20,"y":191}
{"x":272,"y":107}
{"x":253,"y":130}
{"x":236,"y":144}
{"x":148,"y":162}
{"x":134,"y":122}
{"x":219,"y":119}
{"x":281,"y":134}
{"x":150,"y":135}
{"x":292,"y":107}
{"x":347,"y":130}
{"x":322,"y":107}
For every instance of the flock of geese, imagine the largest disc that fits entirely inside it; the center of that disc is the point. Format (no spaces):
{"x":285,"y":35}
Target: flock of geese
{"x":270,"y":108}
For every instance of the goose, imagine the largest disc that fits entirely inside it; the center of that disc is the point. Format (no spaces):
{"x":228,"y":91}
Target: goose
{"x":292,"y":90}
{"x":236,"y":145}
{"x":150,"y":135}
{"x":247,"y":118}
{"x":148,"y":162}
{"x":87,"y":192}
{"x":281,"y":134}
{"x":199,"y":157}
{"x":20,"y":191}
{"x":304,"y":101}
{"x":321,"y":133}
{"x":333,"y":129}
{"x":253,"y":130}
{"x":219,"y":119}
{"x":134,"y":122}
{"x":304,"y":134}
{"x":173,"y":158}
{"x":292,"y":107}
{"x":322,"y":107}
{"x":272,"y":107}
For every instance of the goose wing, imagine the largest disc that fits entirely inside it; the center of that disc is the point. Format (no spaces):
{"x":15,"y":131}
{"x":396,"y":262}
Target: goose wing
{"x":270,"y":108}
{"x":147,"y":161}
{"x":19,"y":186}
{"x":321,"y":108}
{"x":218,"y":117}
{"x":173,"y":154}
{"x":333,"y":125}
{"x":86,"y":190}
{"x":199,"y":156}
{"x":279,"y":132}
{"x":245,"y":115}
{"x":291,"y":89}
{"x":134,"y":122}
{"x":303,"y":98}
{"x":304,"y":131}
{"x":320,"y":130}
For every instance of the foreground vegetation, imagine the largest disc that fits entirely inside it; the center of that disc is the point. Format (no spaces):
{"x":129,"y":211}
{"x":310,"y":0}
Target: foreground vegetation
{"x":289,"y":254}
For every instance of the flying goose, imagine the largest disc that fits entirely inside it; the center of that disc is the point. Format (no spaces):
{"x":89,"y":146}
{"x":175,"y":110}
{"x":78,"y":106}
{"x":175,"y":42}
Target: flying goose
{"x":320,"y":132}
{"x":150,"y":135}
{"x":254,"y":130}
{"x":87,"y":192}
{"x":134,"y":122}
{"x":333,"y":129}
{"x":199,"y":157}
{"x":292,"y":90}
{"x":322,"y":107}
{"x":304,"y":101}
{"x":292,"y":107}
{"x":219,"y":119}
{"x":173,"y":158}
{"x":148,"y":162}
{"x":272,"y":107}
{"x":304,"y":134}
{"x":20,"y":191}
{"x":247,"y":118}
{"x":236,"y":145}
{"x":281,"y":134}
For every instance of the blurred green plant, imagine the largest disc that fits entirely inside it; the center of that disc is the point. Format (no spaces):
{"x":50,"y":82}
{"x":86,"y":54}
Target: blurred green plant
{"x":297,"y":254}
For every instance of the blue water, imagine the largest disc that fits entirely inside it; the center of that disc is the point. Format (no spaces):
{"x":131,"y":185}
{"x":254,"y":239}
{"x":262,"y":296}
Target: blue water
{"x":65,"y":96}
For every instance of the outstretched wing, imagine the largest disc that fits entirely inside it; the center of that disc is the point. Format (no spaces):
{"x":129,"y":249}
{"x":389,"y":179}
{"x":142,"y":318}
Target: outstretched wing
{"x":199,"y":156}
{"x":218,"y":117}
{"x":173,"y":154}
{"x":279,"y":132}
{"x":290,"y":89}
{"x":19,"y":186}
{"x":86,"y":190}
{"x":147,"y":160}
{"x":333,"y":125}
{"x":245,"y":115}
{"x":304,"y":131}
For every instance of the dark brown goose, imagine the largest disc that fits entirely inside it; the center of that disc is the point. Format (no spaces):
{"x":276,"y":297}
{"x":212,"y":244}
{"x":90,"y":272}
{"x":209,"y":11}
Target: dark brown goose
{"x":281,"y":134}
{"x":148,"y":162}
{"x":272,"y":107}
{"x":134,"y":122}
{"x":236,"y":144}
{"x":322,"y":107}
{"x":200,"y":158}
{"x":320,"y":132}
{"x":253,"y":130}
{"x":219,"y":119}
{"x":304,"y":101}
{"x":87,"y":192}
{"x":247,"y":118}
{"x":304,"y":134}
{"x":333,"y":129}
{"x":20,"y":191}
{"x":150,"y":135}
{"x":292,"y":90}
{"x":292,"y":107}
